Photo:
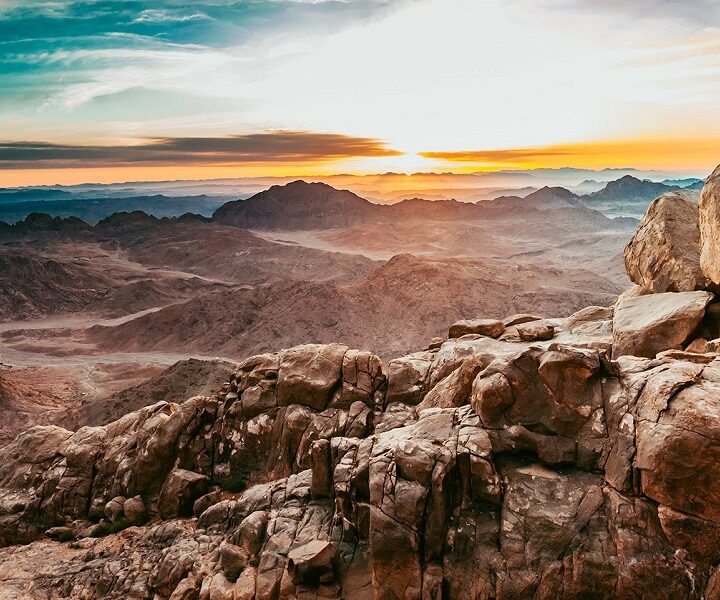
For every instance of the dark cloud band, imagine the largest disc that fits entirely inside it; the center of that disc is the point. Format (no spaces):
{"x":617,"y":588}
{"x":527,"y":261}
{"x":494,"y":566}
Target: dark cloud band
{"x":275,"y":147}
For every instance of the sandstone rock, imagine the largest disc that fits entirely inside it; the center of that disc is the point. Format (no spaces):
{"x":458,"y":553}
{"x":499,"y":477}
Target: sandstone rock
{"x":308,"y":374}
{"x":699,"y":537}
{"x":179,"y":493}
{"x":646,"y":325}
{"x":244,"y":588}
{"x":312,"y":563}
{"x":709,"y":220}
{"x":678,"y":446}
{"x":233,"y":560}
{"x":406,"y":377}
{"x":519,"y":319}
{"x":114,"y":509}
{"x":62,"y":534}
{"x":664,"y":253}
{"x":566,"y":476}
{"x":134,"y":509}
{"x":454,"y":390}
{"x":713,"y":346}
{"x":699,"y":345}
{"x":590,"y":314}
{"x":535,"y":331}
{"x":435,"y":343}
{"x":550,"y":402}
{"x":488,"y":327}
{"x":362,"y":378}
{"x":206,"y":501}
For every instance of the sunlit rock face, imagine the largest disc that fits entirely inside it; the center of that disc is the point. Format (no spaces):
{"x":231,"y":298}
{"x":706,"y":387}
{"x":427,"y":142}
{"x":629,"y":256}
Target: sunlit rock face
{"x":710,"y":227}
{"x":664,"y":253}
{"x":484,"y":468}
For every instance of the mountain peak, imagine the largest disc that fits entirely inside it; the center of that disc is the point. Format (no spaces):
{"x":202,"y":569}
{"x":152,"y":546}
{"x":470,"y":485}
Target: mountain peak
{"x":297,"y":204}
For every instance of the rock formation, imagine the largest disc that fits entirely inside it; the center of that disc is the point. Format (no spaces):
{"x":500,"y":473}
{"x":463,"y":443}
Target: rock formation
{"x":531,"y":458}
{"x":663,"y":255}
{"x":710,"y":227}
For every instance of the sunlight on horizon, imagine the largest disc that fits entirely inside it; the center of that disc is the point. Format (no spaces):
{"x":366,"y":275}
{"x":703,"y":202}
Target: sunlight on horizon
{"x":427,"y":85}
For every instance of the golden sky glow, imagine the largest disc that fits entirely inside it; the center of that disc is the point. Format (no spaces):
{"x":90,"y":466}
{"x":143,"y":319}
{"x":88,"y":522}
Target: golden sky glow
{"x":200,"y":90}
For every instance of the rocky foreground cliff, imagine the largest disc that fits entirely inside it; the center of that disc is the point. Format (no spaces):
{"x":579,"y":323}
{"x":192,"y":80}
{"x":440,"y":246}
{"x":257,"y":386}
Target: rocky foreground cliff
{"x":524,"y":458}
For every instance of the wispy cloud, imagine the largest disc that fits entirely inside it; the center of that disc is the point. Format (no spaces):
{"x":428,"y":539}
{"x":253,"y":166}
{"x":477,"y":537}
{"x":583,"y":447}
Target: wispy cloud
{"x":700,"y":13}
{"x":269,"y":147}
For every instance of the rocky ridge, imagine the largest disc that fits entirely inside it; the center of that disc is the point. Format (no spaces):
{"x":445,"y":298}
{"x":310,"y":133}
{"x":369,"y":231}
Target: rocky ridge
{"x":522,"y":458}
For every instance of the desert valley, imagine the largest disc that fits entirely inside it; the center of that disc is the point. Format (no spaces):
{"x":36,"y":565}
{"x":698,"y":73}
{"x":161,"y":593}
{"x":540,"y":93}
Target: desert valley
{"x":91,"y":309}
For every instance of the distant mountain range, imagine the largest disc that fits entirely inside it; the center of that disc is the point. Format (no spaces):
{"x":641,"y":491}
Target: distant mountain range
{"x":16,"y":205}
{"x":93,"y":202}
{"x":301,"y":205}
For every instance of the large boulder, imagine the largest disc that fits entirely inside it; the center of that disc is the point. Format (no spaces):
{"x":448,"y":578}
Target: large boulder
{"x":311,"y":563}
{"x":678,"y":439}
{"x":406,"y":377}
{"x":309,"y":374}
{"x":710,"y":227}
{"x":664,"y":253}
{"x":646,"y":325}
{"x":549,"y":402}
{"x":179,"y":493}
{"x":488,"y":327}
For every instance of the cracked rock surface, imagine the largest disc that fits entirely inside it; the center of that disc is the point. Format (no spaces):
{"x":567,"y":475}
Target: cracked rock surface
{"x":484,"y":468}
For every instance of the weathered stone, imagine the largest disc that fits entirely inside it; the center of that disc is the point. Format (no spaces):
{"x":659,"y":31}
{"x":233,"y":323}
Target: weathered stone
{"x":664,"y":253}
{"x":698,"y":345}
{"x":312,"y":563}
{"x":406,"y":378}
{"x":233,"y":560}
{"x":568,"y":476}
{"x":487,"y":327}
{"x":62,"y":534}
{"x":678,"y":443}
{"x":309,"y":374}
{"x":519,"y":319}
{"x":646,"y":325}
{"x":206,"y":501}
{"x":134,"y":509}
{"x":535,"y":331}
{"x":454,"y":390}
{"x":179,"y":493}
{"x":699,"y":537}
{"x":362,"y":378}
{"x":114,"y":509}
{"x":320,"y":461}
{"x":709,"y":220}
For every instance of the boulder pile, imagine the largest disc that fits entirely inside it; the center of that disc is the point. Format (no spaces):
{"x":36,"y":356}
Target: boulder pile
{"x":529,"y":458}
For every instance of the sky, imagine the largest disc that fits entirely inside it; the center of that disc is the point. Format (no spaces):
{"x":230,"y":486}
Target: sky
{"x":127,"y":90}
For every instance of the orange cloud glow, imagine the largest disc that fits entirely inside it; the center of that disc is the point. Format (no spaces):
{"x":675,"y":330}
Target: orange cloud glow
{"x":685,"y":154}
